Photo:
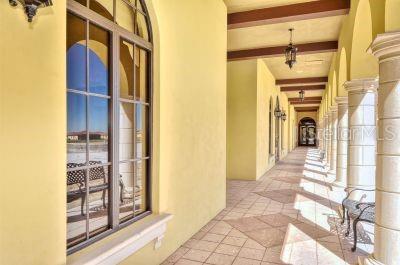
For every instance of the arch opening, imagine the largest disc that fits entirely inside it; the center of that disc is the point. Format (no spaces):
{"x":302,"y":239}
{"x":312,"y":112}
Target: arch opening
{"x":307,"y":132}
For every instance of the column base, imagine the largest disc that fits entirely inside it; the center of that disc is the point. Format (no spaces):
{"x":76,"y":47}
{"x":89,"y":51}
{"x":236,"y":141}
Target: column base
{"x":332,"y":172}
{"x":339,"y":184}
{"x":370,"y":260}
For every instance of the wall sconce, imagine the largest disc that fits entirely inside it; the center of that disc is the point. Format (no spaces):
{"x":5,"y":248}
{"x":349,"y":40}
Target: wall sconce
{"x":278,"y":113}
{"x":283,"y":116}
{"x":31,"y":6}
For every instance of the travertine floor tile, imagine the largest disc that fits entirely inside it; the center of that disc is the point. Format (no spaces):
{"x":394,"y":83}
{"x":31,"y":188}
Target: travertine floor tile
{"x":288,"y":216}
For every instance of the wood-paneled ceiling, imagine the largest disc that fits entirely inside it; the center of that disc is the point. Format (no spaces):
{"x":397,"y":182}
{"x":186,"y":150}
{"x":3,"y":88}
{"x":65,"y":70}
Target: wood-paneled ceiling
{"x":259,"y":29}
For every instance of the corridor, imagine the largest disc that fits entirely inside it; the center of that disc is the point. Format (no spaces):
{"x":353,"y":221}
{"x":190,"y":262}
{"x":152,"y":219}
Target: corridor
{"x":289,"y":216}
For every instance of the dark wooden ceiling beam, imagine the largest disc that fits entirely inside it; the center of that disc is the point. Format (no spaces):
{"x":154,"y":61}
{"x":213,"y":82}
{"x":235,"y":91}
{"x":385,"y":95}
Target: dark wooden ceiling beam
{"x":306,"y":109}
{"x":301,"y":81}
{"x":305,"y":102}
{"x":306,"y":48}
{"x":305,"y":88}
{"x":287,"y":13}
{"x":305,"y":99}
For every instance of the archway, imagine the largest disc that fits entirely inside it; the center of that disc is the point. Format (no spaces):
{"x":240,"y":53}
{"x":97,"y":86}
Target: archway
{"x":307,"y":132}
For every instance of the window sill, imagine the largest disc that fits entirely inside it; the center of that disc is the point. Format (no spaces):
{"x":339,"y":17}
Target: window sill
{"x":126,"y":243}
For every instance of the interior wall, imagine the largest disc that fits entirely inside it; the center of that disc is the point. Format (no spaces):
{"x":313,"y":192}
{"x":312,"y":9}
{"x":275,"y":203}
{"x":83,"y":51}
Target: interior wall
{"x":32,"y":135}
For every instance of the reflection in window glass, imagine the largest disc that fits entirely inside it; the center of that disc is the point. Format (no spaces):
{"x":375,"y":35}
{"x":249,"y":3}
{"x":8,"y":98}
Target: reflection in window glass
{"x":141,"y":68}
{"x":140,"y":187}
{"x":98,"y":129}
{"x":98,"y":201}
{"x":126,"y":189}
{"x":142,"y":124}
{"x":76,"y":207}
{"x":126,"y":70}
{"x":103,"y":8}
{"x":90,"y":169}
{"x":76,"y":130}
{"x":76,"y":53}
{"x":141,"y":26}
{"x":87,"y":135}
{"x":126,"y":131}
{"x":99,"y":43}
{"x":125,"y":15}
{"x":82,"y":2}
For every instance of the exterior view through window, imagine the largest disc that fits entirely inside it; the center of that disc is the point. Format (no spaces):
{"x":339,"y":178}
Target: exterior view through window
{"x":109,"y":111}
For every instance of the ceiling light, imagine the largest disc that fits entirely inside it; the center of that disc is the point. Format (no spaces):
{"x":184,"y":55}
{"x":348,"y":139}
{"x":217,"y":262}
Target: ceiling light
{"x":291,"y":51}
{"x":301,"y":95}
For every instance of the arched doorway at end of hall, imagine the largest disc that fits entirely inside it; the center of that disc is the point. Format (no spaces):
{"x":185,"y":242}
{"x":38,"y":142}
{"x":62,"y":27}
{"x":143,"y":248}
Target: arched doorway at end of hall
{"x":307,"y":132}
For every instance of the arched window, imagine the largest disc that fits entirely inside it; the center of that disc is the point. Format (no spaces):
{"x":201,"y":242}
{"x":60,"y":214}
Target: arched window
{"x":271,"y":116}
{"x":109,"y":56}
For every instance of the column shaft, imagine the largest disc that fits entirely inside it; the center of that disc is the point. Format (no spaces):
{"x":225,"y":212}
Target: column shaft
{"x":362,"y":126}
{"x":342,"y":142}
{"x":326,"y":129}
{"x":387,"y":219}
{"x":333,"y":139}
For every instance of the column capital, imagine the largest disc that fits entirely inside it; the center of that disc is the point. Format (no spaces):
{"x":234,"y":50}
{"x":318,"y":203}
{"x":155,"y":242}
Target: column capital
{"x":386,"y":46}
{"x":333,"y":108}
{"x":342,"y":100}
{"x":362,"y":85}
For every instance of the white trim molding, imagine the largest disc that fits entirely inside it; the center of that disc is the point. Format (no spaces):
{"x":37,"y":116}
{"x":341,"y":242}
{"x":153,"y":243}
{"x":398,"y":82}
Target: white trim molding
{"x":126,"y":244}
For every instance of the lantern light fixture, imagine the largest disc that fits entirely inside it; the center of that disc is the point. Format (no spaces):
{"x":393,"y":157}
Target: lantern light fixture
{"x":301,"y":95}
{"x":283,"y":115}
{"x":278,"y":113}
{"x":31,"y":6}
{"x":291,"y":51}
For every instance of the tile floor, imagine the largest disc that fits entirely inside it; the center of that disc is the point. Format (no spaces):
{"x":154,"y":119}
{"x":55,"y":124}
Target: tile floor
{"x":289,"y":216}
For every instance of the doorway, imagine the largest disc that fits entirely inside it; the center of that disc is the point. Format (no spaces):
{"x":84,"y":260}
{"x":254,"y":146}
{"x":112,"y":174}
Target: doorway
{"x":307,"y":132}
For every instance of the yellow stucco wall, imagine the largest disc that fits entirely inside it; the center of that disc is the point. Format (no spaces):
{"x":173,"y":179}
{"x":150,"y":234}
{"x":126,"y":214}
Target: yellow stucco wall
{"x":32,"y":136}
{"x":241,"y":119}
{"x":251,"y":86}
{"x":190,"y":128}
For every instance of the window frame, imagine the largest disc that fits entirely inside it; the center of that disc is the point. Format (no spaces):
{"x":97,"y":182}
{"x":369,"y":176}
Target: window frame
{"x":117,"y":33}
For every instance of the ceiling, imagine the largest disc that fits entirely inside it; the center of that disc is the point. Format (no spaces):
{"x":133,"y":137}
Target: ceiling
{"x":314,"y":64}
{"x":245,"y":5}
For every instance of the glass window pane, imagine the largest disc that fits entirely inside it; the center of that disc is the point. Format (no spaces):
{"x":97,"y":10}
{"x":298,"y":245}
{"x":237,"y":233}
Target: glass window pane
{"x":98,"y":198}
{"x":125,"y":15}
{"x":76,"y":128}
{"x":103,"y":8}
{"x":82,"y":2}
{"x":141,"y":26}
{"x":76,"y":207}
{"x":142,"y":125}
{"x":99,"y":43}
{"x":141,"y":187}
{"x":76,"y":53}
{"x":126,"y":70}
{"x":126,"y":171}
{"x":126,"y":132}
{"x":98,"y":129}
{"x":141,"y":71}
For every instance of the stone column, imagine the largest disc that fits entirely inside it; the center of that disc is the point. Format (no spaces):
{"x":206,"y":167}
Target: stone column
{"x":326,"y":146}
{"x":362,"y":142}
{"x":333,"y":139}
{"x":325,"y":132}
{"x":387,"y":219}
{"x":320,"y":137}
{"x":342,"y":142}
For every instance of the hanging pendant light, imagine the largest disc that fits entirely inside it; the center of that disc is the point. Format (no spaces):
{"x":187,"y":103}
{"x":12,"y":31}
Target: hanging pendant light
{"x":291,"y":51}
{"x":301,"y":95}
